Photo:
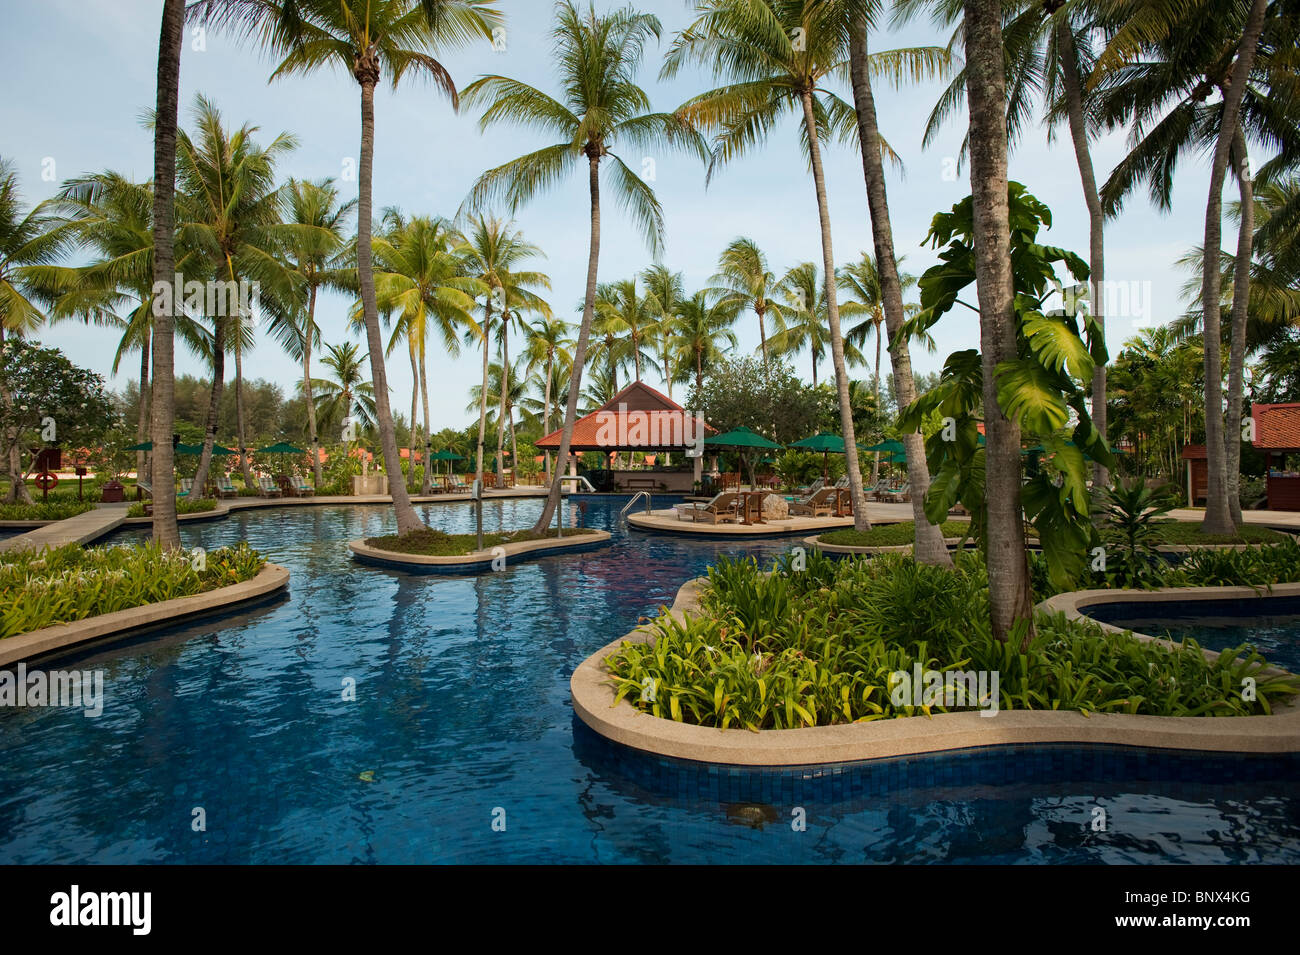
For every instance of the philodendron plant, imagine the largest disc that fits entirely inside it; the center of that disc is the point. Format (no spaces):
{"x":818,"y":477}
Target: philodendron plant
{"x":1044,"y":387}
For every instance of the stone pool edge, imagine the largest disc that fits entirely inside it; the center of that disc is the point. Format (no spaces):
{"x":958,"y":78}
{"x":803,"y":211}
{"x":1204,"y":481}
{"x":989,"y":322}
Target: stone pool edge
{"x":593,"y":701}
{"x":63,"y":636}
{"x":476,"y":561}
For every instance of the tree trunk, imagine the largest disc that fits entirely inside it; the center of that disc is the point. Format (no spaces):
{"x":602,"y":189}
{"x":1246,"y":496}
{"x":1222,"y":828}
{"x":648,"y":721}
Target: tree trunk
{"x":163,"y":406}
{"x":762,"y":332}
{"x":861,"y":521}
{"x":1010,"y":599}
{"x":875,"y":456}
{"x":546,"y":411}
{"x":1218,"y":516}
{"x":142,"y":421}
{"x":482,"y":404}
{"x":426,"y":482}
{"x":580,"y":351}
{"x":214,"y":405}
{"x":928,"y":547}
{"x":505,"y":385}
{"x":407,"y":519}
{"x":1073,"y":84}
{"x":1240,"y":308}
{"x":415,"y":400}
{"x":239,"y":413}
{"x":306,"y":382}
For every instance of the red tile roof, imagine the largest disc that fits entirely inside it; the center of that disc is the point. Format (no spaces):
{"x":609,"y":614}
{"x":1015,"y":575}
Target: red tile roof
{"x":1277,"y":426}
{"x":637,"y":418}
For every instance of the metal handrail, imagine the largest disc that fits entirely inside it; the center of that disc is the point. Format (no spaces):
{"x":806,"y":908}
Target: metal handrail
{"x":581,"y":478}
{"x":635,"y":497}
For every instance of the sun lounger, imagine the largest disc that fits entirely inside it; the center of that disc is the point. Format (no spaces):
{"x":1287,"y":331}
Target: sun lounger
{"x":266,"y":487}
{"x":226,"y":487}
{"x":903,"y":493}
{"x":187,"y":485}
{"x":301,"y":488}
{"x":819,"y":504}
{"x":721,"y":508}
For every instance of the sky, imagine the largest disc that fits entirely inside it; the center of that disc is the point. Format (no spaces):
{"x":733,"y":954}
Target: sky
{"x":90,"y":76}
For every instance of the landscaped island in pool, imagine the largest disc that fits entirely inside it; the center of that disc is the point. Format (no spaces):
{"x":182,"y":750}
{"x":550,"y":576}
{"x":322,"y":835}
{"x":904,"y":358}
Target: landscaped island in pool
{"x":462,"y":708}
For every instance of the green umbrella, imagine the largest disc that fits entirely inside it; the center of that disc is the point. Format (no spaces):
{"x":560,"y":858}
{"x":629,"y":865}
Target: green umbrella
{"x":280,"y":447}
{"x":742,"y":438}
{"x":826,"y":444}
{"x":888,"y":446}
{"x":142,"y":446}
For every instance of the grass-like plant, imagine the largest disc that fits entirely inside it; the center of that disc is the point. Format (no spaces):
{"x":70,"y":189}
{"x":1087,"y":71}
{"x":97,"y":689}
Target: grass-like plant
{"x":43,"y":588}
{"x":435,"y":543}
{"x":813,"y":642}
{"x":54,"y":510}
{"x":200,"y":505}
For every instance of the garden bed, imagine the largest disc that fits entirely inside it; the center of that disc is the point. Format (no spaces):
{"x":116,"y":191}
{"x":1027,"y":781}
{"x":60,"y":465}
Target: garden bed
{"x":432,"y":551}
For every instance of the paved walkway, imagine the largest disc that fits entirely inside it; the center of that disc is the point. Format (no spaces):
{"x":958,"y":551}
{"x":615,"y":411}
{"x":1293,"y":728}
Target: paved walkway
{"x":81,"y":529}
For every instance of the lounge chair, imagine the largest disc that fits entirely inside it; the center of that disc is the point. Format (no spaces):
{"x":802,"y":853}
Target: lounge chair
{"x":812,"y":488}
{"x":842,"y":483}
{"x":187,"y":485}
{"x":723,"y":507}
{"x":456,"y":484}
{"x":903,"y":493}
{"x":301,"y":488}
{"x":226,"y":487}
{"x":820,"y":503}
{"x":266,"y":487}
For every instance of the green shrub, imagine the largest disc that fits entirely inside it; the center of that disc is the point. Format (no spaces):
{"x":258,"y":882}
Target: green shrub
{"x":435,"y":543}
{"x":817,"y":646}
{"x":55,"y":510}
{"x":40,"y":589}
{"x":199,"y":505}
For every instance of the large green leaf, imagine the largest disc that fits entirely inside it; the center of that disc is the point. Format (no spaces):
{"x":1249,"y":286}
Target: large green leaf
{"x":1028,"y":393}
{"x":1057,"y":345}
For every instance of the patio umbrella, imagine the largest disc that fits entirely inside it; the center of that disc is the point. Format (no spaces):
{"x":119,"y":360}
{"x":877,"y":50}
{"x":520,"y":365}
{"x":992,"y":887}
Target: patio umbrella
{"x":445,"y":456}
{"x":826,"y":444}
{"x":741,"y":439}
{"x":888,"y":446}
{"x":281,"y":448}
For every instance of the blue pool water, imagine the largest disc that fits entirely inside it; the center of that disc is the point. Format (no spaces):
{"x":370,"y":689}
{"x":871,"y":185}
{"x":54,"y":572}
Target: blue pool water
{"x":462,"y":716}
{"x":1269,"y":624}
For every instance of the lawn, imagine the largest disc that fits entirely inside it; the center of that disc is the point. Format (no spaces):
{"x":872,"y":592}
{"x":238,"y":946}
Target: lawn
{"x":432,"y":543}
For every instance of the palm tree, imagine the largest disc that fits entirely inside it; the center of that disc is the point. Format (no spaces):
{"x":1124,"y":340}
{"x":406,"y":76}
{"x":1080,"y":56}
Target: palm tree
{"x":314,"y":250}
{"x":929,"y":547}
{"x":625,"y":314}
{"x":28,"y":244}
{"x":748,"y":282}
{"x":346,"y":393}
{"x":664,"y":293}
{"x":547,"y":349}
{"x":1158,"y":71}
{"x":493,"y":249}
{"x":704,"y":332}
{"x":383,"y":36}
{"x":1010,"y":596}
{"x":777,"y":55}
{"x":163,"y":405}
{"x":419,"y":278}
{"x":806,"y":312}
{"x":229,"y":208}
{"x":600,"y":106}
{"x":1049,"y":51}
{"x":861,"y":280}
{"x":112,"y":217}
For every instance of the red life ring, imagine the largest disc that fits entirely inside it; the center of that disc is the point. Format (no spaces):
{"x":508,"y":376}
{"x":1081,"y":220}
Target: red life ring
{"x":46,"y":481}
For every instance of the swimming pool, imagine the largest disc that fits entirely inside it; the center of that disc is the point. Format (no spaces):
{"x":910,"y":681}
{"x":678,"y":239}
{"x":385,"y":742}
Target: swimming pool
{"x":1270,"y":624}
{"x":462,"y":718}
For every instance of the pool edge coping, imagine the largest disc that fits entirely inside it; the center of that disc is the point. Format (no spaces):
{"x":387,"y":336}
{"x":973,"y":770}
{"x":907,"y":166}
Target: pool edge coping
{"x":593,"y":701}
{"x":63,"y":636}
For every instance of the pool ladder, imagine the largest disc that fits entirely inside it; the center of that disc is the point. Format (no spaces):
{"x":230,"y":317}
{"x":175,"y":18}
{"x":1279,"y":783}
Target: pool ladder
{"x":622,"y":515}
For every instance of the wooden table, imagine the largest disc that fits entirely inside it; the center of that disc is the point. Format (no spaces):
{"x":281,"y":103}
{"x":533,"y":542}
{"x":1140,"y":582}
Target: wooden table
{"x":751,"y":507}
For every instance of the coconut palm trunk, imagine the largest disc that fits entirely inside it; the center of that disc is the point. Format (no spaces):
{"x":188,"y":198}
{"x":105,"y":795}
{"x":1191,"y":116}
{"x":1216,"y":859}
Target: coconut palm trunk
{"x":241,"y":421}
{"x":306,"y":386}
{"x":546,"y":411}
{"x":1010,"y":599}
{"x":505,"y":387}
{"x":1073,"y":85}
{"x":580,"y":350}
{"x":367,"y":73}
{"x":929,"y":547}
{"x":214,"y":404}
{"x":483,"y":391}
{"x":163,"y":406}
{"x":1240,"y":306}
{"x":426,"y":482}
{"x":1218,"y":515}
{"x":415,"y":400}
{"x":861,"y":521}
{"x":142,"y":420}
